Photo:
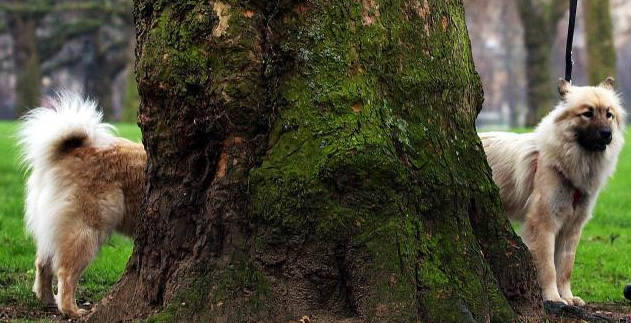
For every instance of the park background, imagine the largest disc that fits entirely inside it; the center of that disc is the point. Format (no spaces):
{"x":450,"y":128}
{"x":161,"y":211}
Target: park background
{"x":89,"y":46}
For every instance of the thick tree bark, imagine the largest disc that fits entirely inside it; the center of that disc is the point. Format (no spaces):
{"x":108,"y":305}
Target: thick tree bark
{"x":601,"y":53}
{"x":539,"y":19}
{"x":316,"y":158}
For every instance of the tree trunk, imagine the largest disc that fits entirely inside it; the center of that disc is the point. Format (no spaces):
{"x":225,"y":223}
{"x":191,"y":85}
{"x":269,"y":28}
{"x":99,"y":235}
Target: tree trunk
{"x":28,"y":76}
{"x":316,"y":158}
{"x":601,"y":53}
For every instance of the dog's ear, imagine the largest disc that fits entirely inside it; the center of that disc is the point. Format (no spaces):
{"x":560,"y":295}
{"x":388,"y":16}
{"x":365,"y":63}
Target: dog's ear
{"x":564,"y":87}
{"x":608,"y":83}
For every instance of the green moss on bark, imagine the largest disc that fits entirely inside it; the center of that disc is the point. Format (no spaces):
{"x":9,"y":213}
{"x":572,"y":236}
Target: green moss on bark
{"x":208,"y":298}
{"x":369,"y":148}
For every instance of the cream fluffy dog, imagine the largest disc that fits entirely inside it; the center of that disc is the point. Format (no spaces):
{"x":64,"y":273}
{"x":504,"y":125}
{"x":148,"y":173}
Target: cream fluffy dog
{"x":84,"y":184}
{"x":549,"y":180}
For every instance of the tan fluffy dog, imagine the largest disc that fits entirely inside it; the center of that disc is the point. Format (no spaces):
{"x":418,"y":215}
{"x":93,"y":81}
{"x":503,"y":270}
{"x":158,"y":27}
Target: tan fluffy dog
{"x":84,"y":184}
{"x":549,"y":179}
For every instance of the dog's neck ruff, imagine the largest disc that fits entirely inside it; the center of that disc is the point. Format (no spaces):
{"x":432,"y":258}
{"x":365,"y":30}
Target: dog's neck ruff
{"x":577,"y":193}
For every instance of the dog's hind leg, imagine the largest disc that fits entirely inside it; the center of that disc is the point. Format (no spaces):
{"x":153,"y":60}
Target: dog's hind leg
{"x":43,"y":286}
{"x":75,"y":254}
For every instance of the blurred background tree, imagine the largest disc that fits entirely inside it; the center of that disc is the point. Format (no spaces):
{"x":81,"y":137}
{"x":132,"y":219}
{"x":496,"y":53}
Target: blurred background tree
{"x":539,"y":20}
{"x":601,"y":52}
{"x":73,"y":44}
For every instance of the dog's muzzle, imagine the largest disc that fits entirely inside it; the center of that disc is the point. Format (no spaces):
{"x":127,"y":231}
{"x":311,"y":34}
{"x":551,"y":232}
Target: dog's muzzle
{"x":594,"y":139}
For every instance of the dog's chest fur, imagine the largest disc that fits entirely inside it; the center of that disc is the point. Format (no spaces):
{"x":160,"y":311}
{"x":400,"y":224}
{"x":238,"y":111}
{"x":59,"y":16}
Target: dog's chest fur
{"x":567,"y":203}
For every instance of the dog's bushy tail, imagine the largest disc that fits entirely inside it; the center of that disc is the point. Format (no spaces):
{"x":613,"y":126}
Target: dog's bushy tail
{"x":46,"y":134}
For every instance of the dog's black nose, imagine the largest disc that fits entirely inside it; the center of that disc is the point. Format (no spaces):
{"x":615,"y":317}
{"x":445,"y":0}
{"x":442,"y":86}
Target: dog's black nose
{"x":605,"y":134}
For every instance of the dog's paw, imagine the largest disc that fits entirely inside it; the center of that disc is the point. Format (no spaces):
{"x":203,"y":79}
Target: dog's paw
{"x":37,"y":291}
{"x":576,"y":301}
{"x":558,"y":300}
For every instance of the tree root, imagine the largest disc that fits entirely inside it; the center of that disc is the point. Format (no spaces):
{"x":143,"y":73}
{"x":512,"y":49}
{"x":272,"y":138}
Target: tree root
{"x":561,"y":310}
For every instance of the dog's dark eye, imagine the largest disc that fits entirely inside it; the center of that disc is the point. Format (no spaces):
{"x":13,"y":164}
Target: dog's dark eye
{"x":609,"y":115}
{"x":588,"y":114}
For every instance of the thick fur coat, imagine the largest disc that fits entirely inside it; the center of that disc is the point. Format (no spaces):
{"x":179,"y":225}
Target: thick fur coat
{"x":84,"y":184}
{"x":549,"y":179}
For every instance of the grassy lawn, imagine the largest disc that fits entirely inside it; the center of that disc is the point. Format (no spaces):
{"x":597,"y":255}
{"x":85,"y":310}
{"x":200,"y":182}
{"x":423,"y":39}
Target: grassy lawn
{"x":17,"y":251}
{"x":603,"y":263}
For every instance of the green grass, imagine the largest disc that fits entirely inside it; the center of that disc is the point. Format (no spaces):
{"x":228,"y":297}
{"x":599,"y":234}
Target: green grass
{"x":17,"y":250}
{"x":603,"y":262}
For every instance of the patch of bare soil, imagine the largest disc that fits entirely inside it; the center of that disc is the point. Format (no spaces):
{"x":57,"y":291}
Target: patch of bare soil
{"x":51,"y":313}
{"x":8,"y":314}
{"x":557,"y":313}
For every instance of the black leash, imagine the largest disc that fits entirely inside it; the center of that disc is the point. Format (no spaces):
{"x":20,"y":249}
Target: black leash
{"x":570,"y":37}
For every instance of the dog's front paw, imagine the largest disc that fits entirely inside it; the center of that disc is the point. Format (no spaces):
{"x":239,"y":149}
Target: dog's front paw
{"x":38,"y":292}
{"x":552,"y":295}
{"x":576,"y":301}
{"x":557,"y":300}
